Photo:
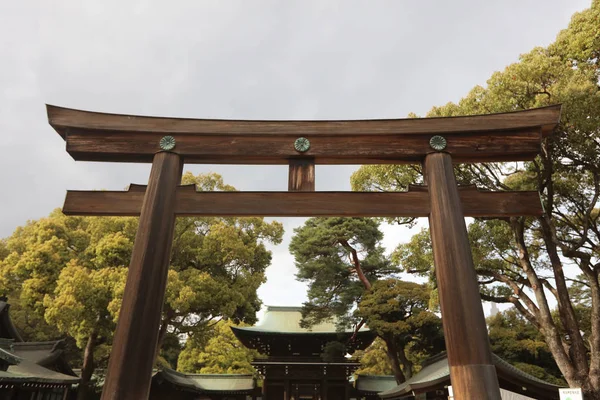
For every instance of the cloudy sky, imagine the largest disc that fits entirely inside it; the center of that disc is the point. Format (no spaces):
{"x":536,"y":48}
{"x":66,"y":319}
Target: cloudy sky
{"x":286,"y":59}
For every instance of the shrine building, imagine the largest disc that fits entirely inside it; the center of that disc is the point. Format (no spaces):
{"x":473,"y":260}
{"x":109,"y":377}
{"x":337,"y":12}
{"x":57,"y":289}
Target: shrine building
{"x":296,"y":365}
{"x":31,"y":370}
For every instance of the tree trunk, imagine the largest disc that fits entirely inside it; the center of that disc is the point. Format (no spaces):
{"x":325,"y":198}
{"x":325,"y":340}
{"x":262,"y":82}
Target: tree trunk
{"x":540,"y":313}
{"x":392,"y":354}
{"x":390,"y":345}
{"x":161,"y":337}
{"x":567,"y":315}
{"x":406,"y":363}
{"x":594,"y":339}
{"x":589,"y":393}
{"x":357,"y":266}
{"x":85,"y":391}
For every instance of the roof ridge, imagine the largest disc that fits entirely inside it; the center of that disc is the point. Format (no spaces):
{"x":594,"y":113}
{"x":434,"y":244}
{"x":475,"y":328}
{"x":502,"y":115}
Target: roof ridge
{"x":10,"y":358}
{"x":376,"y":376}
{"x":498,"y":361}
{"x":191,"y":374}
{"x":285,"y":308}
{"x":41,"y":343}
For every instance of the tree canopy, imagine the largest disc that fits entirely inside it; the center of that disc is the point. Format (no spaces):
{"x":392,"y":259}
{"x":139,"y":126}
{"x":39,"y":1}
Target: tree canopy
{"x":398,"y":312}
{"x":522,"y":261}
{"x":517,"y":341}
{"x":220,"y":352}
{"x":338,"y":258}
{"x":350,"y":277}
{"x":69,"y":272}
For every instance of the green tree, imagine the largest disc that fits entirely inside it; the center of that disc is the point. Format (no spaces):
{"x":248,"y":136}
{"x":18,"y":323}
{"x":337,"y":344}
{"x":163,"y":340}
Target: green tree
{"x":517,"y":341}
{"x":343,"y":261}
{"x":522,"y":261}
{"x":70,"y":273}
{"x":338,"y":258}
{"x":221,"y":353}
{"x":374,"y":359}
{"x":61,"y":272}
{"x":398,"y":312}
{"x":217,"y":266}
{"x":84,"y":306}
{"x":3,"y":249}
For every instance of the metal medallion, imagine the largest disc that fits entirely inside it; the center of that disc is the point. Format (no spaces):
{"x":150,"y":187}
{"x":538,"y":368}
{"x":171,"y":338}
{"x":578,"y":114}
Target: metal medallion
{"x":302,"y":144}
{"x":167,"y":143}
{"x":438,"y":143}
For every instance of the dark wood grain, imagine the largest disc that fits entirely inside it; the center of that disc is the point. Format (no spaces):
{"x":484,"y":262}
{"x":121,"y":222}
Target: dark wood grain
{"x":472,"y":372}
{"x":476,"y":379}
{"x":66,"y":119}
{"x":303,"y":204}
{"x":124,"y":138}
{"x":301,"y":176}
{"x":135,"y":340}
{"x":123,"y":146}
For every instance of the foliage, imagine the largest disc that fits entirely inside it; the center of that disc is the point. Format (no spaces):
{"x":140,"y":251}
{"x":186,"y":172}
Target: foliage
{"x":3,"y":249}
{"x":217,"y":265}
{"x":517,"y":341}
{"x":522,"y":261}
{"x":85,"y":301}
{"x":221,"y":353}
{"x":69,"y":274}
{"x":331,"y":254}
{"x":169,"y":351}
{"x":374,"y":359}
{"x":333,"y":351}
{"x":351,"y":278}
{"x":398,"y":312}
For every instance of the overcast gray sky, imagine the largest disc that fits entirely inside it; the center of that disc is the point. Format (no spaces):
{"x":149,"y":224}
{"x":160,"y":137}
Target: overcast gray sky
{"x":286,"y":59}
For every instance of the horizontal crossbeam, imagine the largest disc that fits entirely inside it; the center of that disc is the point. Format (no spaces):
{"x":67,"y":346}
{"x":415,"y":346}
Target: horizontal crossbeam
{"x":511,"y":136}
{"x":414,"y":203}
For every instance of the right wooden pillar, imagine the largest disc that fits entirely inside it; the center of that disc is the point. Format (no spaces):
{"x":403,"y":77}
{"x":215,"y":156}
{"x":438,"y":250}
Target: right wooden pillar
{"x":472,"y":371}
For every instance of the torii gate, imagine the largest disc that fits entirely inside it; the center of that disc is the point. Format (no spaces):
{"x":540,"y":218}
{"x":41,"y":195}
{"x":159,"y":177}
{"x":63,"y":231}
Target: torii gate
{"x":169,"y":142}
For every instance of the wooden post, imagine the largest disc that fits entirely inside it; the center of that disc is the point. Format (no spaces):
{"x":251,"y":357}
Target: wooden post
{"x":134,"y":346}
{"x":302,"y":176}
{"x":472,"y":371}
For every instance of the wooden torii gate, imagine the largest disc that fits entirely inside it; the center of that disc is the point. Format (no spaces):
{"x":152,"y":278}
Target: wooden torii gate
{"x":437,"y":143}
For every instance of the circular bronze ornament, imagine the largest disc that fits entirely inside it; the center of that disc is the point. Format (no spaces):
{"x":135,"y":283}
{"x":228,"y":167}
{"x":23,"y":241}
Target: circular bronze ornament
{"x":302,"y":144}
{"x":438,"y":143}
{"x":167,"y":143}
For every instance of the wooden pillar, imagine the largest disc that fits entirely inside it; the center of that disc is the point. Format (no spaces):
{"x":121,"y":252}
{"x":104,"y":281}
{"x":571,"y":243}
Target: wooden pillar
{"x":472,"y":372}
{"x":134,"y":345}
{"x":302,"y":176}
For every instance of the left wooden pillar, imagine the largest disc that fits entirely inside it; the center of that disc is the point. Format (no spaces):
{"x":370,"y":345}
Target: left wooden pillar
{"x":134,"y":345}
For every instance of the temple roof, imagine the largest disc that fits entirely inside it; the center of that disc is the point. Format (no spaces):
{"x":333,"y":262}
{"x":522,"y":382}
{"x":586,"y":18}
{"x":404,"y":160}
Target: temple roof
{"x":207,"y":383}
{"x":280,"y":335}
{"x":42,"y":353}
{"x":286,"y":320}
{"x":22,"y":370}
{"x":436,"y":373}
{"x":375,"y":383}
{"x":48,"y":354}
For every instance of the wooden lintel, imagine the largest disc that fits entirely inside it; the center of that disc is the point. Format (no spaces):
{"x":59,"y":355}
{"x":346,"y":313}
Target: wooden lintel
{"x":484,"y":138}
{"x":303,"y":204}
{"x":262,"y":149}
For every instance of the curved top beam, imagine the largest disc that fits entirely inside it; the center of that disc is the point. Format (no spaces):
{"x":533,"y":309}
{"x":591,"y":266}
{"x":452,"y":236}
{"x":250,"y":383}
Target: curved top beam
{"x":62,"y":119}
{"x":510,"y":136}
